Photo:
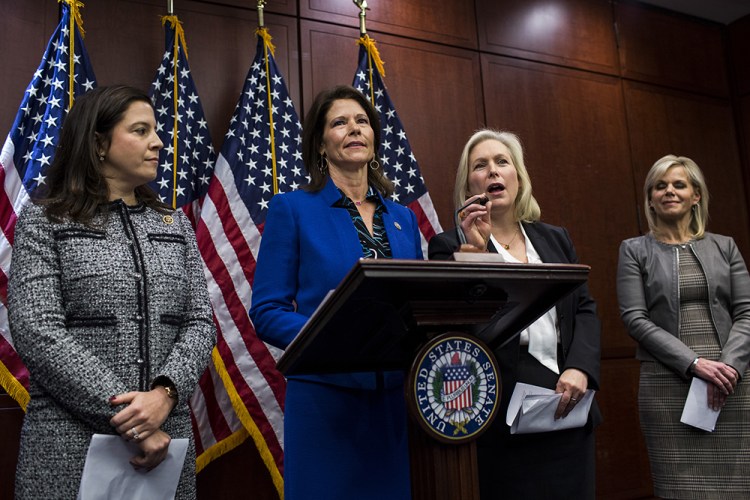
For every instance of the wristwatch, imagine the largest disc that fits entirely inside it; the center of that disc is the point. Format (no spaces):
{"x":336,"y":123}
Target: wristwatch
{"x":694,"y":364}
{"x":171,"y":391}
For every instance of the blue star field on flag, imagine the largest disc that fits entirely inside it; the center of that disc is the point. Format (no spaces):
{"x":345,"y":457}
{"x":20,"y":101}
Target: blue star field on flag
{"x":63,"y":74}
{"x":45,"y":104}
{"x":264,"y":115}
{"x":395,"y":153}
{"x":456,"y":373}
{"x":186,"y":162}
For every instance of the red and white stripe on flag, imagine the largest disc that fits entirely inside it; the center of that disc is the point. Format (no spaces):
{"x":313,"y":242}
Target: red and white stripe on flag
{"x":64,"y":72}
{"x":228,"y":240}
{"x":463,"y":400}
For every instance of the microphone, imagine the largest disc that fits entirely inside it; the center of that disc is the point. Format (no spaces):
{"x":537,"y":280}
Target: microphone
{"x":461,"y":236}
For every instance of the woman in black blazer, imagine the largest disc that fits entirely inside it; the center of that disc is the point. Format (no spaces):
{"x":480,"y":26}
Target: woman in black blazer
{"x":560,"y":351}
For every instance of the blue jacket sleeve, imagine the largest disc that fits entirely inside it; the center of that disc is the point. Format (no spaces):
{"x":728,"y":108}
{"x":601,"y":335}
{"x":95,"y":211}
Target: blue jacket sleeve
{"x":276,"y":281}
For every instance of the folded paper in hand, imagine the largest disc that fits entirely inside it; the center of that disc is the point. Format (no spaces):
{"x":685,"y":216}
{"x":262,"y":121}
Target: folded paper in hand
{"x":696,"y":412}
{"x":532,"y":409}
{"x":108,"y":474}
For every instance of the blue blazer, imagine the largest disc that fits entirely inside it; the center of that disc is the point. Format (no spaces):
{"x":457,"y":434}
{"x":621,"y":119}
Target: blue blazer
{"x":308,"y":246}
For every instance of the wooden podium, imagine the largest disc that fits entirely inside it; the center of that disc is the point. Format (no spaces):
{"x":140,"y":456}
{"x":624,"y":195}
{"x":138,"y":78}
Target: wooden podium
{"x":396,"y":306}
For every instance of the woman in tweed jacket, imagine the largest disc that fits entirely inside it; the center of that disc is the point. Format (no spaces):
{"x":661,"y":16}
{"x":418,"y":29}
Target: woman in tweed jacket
{"x":107,"y":301}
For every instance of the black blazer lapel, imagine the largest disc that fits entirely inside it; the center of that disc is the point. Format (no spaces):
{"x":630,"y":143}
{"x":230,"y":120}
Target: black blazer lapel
{"x":541,"y":244}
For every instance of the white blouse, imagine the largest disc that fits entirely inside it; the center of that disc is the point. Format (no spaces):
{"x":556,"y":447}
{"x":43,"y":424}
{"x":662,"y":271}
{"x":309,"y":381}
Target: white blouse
{"x":543,"y":335}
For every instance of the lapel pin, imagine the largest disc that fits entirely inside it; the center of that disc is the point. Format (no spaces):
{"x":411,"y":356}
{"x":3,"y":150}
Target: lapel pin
{"x":398,"y":226}
{"x":168,"y":219}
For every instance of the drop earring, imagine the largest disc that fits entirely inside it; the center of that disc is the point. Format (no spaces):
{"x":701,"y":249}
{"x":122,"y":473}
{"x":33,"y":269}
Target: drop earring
{"x":323,"y":164}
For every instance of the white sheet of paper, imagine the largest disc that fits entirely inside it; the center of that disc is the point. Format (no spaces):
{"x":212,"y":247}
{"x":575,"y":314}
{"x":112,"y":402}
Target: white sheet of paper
{"x":696,"y":412}
{"x":532,"y":409}
{"x":108,"y":475}
{"x":477,"y":257}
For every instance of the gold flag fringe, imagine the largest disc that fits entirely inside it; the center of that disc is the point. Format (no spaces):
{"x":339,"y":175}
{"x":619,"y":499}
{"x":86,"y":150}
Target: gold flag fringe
{"x":15,"y":389}
{"x":75,"y":13}
{"x":179,"y":32}
{"x":224,"y":446}
{"x":249,"y":425}
{"x":266,"y":36}
{"x":372,"y":51}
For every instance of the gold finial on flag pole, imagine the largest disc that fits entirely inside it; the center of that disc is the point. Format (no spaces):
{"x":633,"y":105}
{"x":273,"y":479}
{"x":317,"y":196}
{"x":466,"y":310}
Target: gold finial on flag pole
{"x":362,"y":4}
{"x":170,"y":7}
{"x":261,"y":22}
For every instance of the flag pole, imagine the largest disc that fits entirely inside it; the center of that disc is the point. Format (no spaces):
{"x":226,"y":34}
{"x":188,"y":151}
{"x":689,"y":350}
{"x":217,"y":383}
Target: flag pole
{"x":179,"y":43}
{"x":261,"y":22}
{"x":363,"y":8}
{"x":268,"y":47}
{"x":75,"y":20}
{"x":373,"y":56}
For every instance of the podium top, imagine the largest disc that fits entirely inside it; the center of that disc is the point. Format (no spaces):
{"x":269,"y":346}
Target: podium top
{"x":384,"y":310}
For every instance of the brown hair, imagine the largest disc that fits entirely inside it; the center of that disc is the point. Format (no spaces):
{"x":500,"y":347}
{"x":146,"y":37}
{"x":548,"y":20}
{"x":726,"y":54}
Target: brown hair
{"x":75,"y":187}
{"x":312,"y":138}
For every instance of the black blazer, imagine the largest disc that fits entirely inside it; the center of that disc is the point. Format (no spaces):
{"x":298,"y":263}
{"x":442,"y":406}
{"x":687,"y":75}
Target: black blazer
{"x":580,"y":328}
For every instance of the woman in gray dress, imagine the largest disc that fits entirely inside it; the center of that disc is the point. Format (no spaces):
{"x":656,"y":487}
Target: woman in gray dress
{"x":684,"y":296}
{"x":107,"y":301}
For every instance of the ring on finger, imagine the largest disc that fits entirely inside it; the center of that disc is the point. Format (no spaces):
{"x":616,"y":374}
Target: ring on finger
{"x":136,"y":436}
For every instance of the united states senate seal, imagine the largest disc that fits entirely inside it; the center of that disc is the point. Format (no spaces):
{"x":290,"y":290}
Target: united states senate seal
{"x":454,"y":388}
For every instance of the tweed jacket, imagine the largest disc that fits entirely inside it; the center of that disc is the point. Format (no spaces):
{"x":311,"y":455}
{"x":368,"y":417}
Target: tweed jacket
{"x":648,"y":292}
{"x":96,"y":311}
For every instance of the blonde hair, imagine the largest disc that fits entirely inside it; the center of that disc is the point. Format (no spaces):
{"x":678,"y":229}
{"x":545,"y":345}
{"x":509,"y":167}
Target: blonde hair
{"x":699,"y":214}
{"x":526,"y":207}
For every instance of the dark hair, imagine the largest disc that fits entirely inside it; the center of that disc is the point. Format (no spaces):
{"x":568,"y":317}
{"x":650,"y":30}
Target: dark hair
{"x":75,"y":187}
{"x":312,"y":137}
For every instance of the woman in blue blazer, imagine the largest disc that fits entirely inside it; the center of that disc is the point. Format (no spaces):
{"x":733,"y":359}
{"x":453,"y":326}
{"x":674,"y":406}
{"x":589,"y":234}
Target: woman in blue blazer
{"x":345,"y":435}
{"x":560,"y":351}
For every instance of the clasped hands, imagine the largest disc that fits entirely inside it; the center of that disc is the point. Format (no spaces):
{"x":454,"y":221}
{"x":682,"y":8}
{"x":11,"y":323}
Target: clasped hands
{"x":721,"y":377}
{"x":140,"y":422}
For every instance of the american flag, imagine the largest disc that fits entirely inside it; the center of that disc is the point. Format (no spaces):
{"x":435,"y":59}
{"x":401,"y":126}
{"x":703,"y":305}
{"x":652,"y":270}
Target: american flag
{"x":186,"y":165}
{"x":186,"y":162}
{"x":395,"y":153}
{"x":27,"y":153}
{"x":455,"y":377}
{"x":260,"y":157}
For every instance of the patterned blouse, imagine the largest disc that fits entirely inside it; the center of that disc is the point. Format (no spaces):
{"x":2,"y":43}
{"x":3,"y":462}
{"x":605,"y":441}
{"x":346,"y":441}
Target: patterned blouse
{"x":376,"y":245}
